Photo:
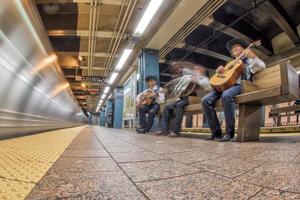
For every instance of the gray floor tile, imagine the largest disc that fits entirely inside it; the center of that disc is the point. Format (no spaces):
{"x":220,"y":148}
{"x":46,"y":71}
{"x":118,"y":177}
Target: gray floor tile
{"x":153,"y":170}
{"x":85,"y":185}
{"x":279,"y":176}
{"x":198,"y":186}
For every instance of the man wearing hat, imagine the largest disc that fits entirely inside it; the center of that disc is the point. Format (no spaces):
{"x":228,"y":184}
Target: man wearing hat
{"x":252,"y":65}
{"x":157,"y":96}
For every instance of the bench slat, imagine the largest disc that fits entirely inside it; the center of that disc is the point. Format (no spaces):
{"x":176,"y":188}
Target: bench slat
{"x":270,"y":77}
{"x":259,"y":96}
{"x":284,"y":109}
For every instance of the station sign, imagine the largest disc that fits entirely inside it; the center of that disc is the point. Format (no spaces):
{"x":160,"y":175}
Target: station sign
{"x":79,"y":92}
{"x":96,"y":79}
{"x":93,"y":91}
{"x":81,"y":100}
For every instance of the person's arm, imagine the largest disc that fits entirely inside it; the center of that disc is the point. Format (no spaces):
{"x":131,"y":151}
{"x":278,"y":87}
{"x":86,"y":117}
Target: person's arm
{"x":202,"y":81}
{"x":161,"y":96}
{"x":139,"y":96}
{"x":256,"y":64}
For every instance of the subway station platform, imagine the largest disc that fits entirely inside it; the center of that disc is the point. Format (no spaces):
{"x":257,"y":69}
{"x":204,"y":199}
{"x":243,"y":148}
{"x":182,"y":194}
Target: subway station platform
{"x":80,"y":77}
{"x":92,"y":162}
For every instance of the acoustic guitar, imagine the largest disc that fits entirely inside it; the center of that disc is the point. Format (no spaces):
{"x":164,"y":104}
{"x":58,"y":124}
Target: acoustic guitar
{"x":232,"y":71}
{"x":148,"y":98}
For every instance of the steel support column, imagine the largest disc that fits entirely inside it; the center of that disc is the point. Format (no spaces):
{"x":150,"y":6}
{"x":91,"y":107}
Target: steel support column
{"x":102,"y":118}
{"x":148,"y":65}
{"x":118,"y":107}
{"x":109,"y":113}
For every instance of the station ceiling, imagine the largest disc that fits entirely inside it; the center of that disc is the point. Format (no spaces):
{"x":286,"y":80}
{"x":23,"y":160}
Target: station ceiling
{"x":194,"y":30}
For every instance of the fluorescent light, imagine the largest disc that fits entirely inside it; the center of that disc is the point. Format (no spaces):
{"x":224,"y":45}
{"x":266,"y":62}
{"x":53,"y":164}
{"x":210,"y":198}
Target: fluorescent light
{"x":123,"y":59}
{"x":147,"y":17}
{"x":106,"y":89}
{"x":127,"y":90}
{"x":103,"y":96}
{"x":112,"y":78}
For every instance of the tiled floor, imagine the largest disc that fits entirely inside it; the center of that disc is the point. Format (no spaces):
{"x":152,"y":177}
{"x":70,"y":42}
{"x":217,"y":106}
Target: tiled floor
{"x":105,"y":163}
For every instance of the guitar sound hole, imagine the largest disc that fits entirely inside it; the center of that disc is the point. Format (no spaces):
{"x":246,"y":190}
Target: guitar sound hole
{"x":221,"y":76}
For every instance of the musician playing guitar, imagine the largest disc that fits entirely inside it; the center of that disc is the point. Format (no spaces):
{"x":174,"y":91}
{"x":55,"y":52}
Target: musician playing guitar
{"x":252,"y":65}
{"x":148,"y":102}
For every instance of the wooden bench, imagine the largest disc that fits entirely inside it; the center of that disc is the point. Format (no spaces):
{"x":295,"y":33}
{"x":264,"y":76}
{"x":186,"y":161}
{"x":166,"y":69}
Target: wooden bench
{"x":276,"y":84}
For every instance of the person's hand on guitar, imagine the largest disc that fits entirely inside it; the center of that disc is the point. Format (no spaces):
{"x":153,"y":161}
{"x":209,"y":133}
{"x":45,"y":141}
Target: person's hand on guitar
{"x":249,"y":53}
{"x":220,"y":69}
{"x":151,"y":94}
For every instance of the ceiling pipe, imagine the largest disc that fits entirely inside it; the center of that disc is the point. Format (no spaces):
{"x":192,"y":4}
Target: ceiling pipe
{"x":205,"y":11}
{"x":193,"y":23}
{"x":123,"y":26}
{"x":95,"y":29}
{"x":114,"y":33}
{"x":114,"y":47}
{"x":123,"y":31}
{"x":90,"y":31}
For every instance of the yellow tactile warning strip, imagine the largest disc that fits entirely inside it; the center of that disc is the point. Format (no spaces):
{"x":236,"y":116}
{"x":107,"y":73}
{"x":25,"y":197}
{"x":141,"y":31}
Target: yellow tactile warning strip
{"x":24,"y":160}
{"x":14,"y":189}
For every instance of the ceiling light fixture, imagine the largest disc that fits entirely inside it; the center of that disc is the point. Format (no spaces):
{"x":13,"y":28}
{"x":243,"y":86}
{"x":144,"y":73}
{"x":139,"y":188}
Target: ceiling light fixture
{"x":147,"y":17}
{"x":112,"y":78}
{"x":123,"y":59}
{"x":106,"y":89}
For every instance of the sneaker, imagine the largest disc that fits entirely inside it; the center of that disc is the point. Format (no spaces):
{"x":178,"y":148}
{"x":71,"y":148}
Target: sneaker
{"x":172,"y":134}
{"x":160,"y":133}
{"x":140,"y":131}
{"x":212,"y":137}
{"x":227,"y":137}
{"x":215,"y":136}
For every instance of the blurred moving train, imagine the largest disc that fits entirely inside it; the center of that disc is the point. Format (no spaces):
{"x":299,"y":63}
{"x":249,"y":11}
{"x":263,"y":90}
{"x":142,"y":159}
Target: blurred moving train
{"x":34,"y":95}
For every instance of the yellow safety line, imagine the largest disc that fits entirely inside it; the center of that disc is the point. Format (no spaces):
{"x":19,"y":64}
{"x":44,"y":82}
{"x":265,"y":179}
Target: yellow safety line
{"x":25,"y":160}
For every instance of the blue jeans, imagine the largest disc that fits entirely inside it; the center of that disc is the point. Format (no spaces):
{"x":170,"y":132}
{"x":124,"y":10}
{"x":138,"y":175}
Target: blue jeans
{"x":152,"y":111}
{"x":227,"y":97}
{"x":167,"y":115}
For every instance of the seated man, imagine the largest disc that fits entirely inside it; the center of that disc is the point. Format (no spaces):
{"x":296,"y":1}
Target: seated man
{"x":252,"y":65}
{"x":198,"y":78}
{"x":148,"y":102}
